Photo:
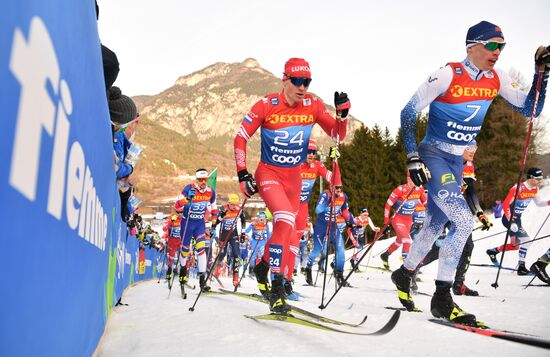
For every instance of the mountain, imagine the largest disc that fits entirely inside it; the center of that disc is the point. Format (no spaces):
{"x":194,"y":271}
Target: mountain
{"x":193,"y":123}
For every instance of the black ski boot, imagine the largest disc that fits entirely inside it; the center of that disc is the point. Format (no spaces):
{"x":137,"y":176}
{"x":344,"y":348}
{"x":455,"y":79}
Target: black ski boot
{"x":459,"y":288}
{"x":402,"y":280}
{"x":492,"y":253}
{"x":289,"y":291}
{"x":277,"y":300}
{"x":443,"y":306}
{"x":202,"y":283}
{"x":260,"y":271}
{"x":309,"y":278}
{"x":339,"y":276}
{"x":183,"y":280}
{"x":539,"y":269}
{"x":385,"y":257}
{"x":169,"y":274}
{"x":522,"y":270}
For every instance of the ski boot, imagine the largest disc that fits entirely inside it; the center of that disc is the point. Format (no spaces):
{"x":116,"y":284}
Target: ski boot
{"x":385,"y":257}
{"x":169,"y":274}
{"x":522,"y":270}
{"x":295,"y":273}
{"x":183,"y":280}
{"x":309,"y":278}
{"x":539,"y":269}
{"x":443,"y":306}
{"x":202,"y":283}
{"x":459,"y":288}
{"x":236,"y":278}
{"x":277,"y":302}
{"x":354,"y":265}
{"x":402,"y":280}
{"x":339,"y":276}
{"x":289,"y":291}
{"x":492,"y":253}
{"x":302,"y":270}
{"x":260,"y":271}
{"x":251,"y":271}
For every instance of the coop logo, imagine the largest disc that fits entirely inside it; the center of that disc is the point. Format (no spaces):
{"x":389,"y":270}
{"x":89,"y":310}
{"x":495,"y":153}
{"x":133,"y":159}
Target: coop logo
{"x":44,"y":109}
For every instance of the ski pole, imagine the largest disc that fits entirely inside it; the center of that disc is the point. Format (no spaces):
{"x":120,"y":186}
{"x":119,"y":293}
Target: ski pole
{"x":532,"y":240}
{"x":178,"y":255}
{"x":542,"y":225}
{"x":192,"y":308}
{"x":163,"y":262}
{"x":521,"y":169}
{"x":332,"y":197}
{"x":247,"y":263}
{"x":489,"y":236}
{"x":376,"y":237}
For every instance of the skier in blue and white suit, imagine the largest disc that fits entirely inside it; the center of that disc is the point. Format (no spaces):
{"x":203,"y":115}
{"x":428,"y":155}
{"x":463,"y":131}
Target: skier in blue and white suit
{"x":459,"y":96}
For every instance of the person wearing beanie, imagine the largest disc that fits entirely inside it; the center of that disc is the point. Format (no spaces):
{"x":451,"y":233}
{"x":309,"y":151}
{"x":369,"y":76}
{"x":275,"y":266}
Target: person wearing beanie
{"x":528,"y":192}
{"x":286,"y":120}
{"x":459,"y":95}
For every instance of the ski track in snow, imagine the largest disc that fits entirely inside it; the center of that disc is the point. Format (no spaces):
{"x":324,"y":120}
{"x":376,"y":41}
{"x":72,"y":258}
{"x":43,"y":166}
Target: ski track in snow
{"x":154,"y":325}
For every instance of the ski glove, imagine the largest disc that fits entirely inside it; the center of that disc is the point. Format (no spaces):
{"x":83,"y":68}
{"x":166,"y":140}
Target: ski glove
{"x":334,"y":153}
{"x":542,"y":58}
{"x":386,"y":230}
{"x":190,"y":194}
{"x":418,"y":171}
{"x":242,"y":238}
{"x":247,"y":183}
{"x":342,"y":104}
{"x":484,"y":220}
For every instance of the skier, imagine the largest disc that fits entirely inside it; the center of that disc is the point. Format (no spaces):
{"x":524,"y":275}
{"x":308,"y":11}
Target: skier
{"x":195,"y":199}
{"x":539,"y":267}
{"x":173,"y":228}
{"x":286,"y":119}
{"x":459,"y":95}
{"x":528,"y":191}
{"x":402,"y":220}
{"x":327,"y":211}
{"x":360,"y":225}
{"x":259,"y":233}
{"x":227,"y":215}
{"x":301,"y":258}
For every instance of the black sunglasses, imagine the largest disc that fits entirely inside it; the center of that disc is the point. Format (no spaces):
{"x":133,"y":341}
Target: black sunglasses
{"x":299,"y":81}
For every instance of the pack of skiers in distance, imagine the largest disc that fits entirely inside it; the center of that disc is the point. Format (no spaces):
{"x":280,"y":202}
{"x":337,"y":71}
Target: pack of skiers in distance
{"x":439,"y":192}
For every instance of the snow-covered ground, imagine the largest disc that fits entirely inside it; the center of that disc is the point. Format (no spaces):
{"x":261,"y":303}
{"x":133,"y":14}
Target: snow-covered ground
{"x":154,"y":325}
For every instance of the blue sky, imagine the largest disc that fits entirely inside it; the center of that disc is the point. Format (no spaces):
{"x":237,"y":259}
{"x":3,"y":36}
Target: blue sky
{"x":379,"y":52}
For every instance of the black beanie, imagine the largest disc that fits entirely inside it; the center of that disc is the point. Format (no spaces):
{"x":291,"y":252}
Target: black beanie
{"x":121,"y":108}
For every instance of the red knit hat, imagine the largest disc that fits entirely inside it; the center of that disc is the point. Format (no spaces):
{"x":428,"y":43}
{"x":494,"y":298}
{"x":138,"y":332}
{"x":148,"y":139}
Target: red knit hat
{"x":297,"y":67}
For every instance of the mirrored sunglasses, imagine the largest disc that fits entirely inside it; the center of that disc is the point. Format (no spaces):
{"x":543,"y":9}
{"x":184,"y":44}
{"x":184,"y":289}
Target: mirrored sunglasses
{"x":299,"y":81}
{"x":490,"y":45}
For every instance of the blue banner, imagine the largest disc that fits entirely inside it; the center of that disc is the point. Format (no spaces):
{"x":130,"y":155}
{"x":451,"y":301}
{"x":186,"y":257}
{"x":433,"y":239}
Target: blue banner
{"x":68,"y":255}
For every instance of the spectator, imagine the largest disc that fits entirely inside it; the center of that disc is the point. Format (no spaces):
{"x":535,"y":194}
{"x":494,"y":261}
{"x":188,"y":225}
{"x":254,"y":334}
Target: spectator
{"x":497,"y":209}
{"x":124,"y":118}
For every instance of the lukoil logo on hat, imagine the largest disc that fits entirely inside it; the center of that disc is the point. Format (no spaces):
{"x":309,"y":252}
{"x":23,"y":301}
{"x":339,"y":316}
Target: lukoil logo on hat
{"x":297,"y":67}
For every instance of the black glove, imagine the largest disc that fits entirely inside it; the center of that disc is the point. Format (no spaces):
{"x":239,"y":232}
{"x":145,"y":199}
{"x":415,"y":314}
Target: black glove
{"x":242,"y":238}
{"x":342,"y":104}
{"x":484,"y":220}
{"x":334,"y":153}
{"x":350,"y":225}
{"x":247,"y":182}
{"x":418,"y":171}
{"x":386,"y":230}
{"x":542,"y":58}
